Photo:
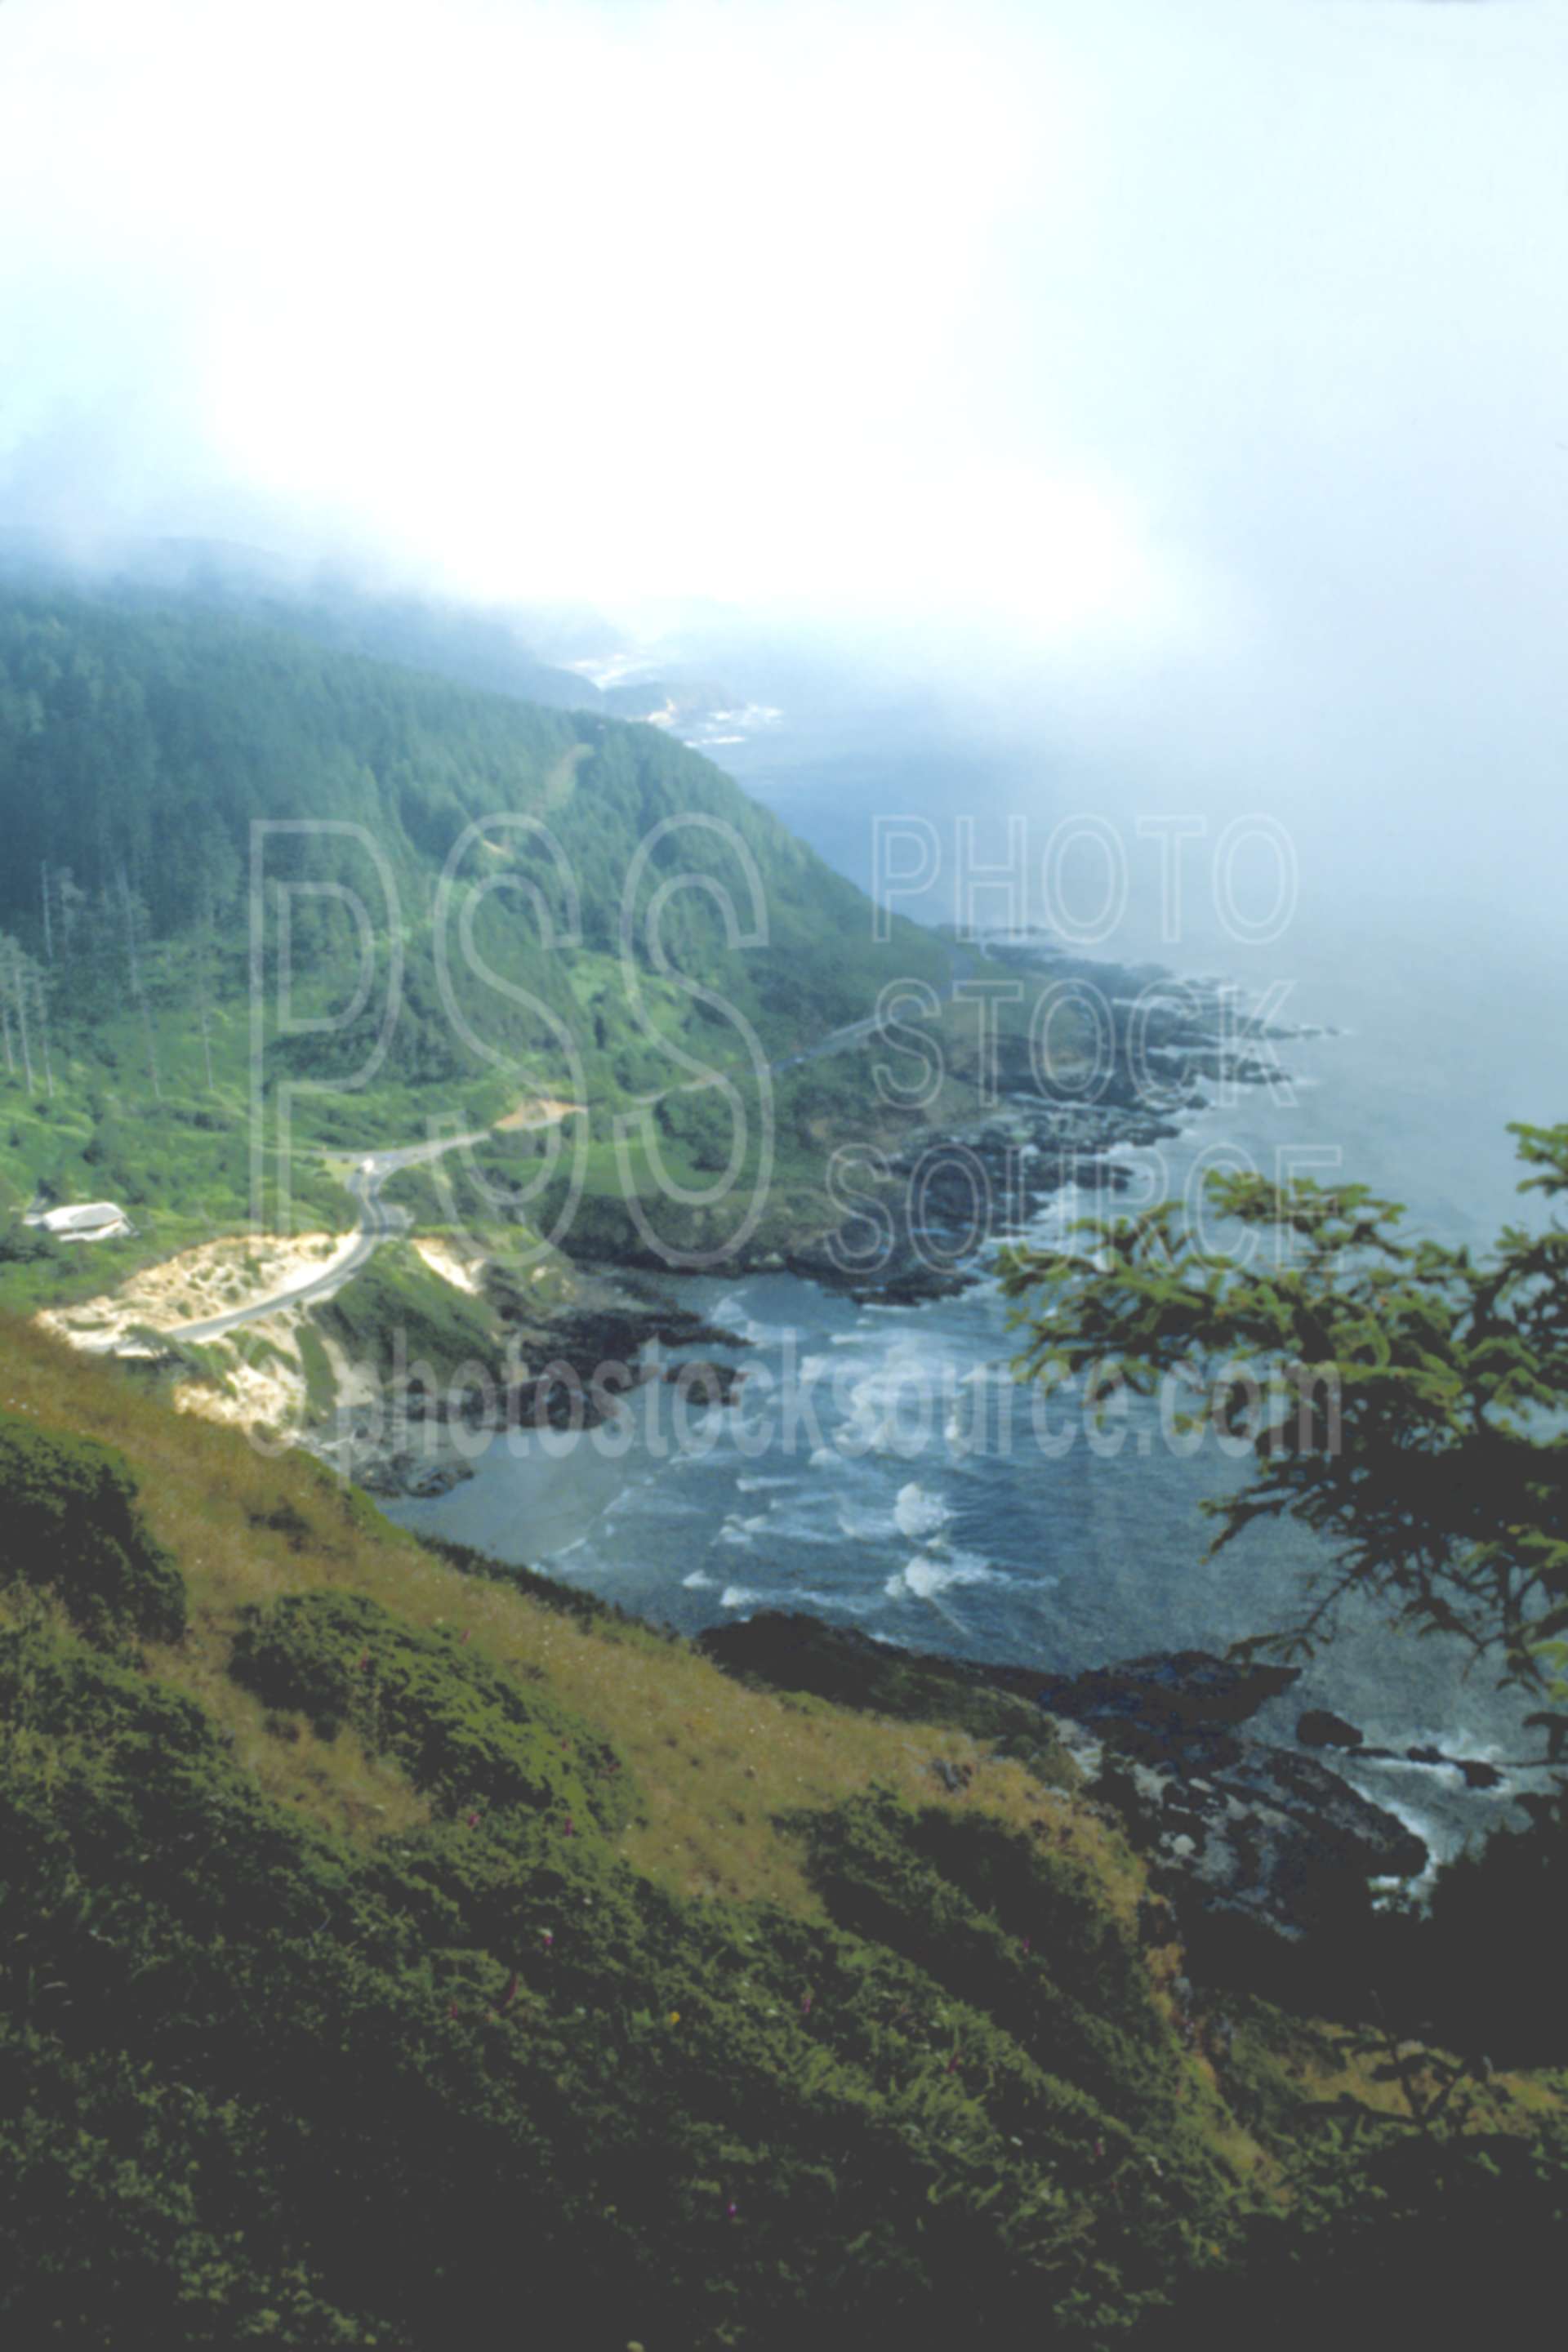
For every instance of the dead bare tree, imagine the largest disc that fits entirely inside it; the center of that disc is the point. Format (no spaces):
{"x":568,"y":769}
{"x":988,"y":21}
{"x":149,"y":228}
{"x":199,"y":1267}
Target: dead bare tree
{"x":137,"y":988}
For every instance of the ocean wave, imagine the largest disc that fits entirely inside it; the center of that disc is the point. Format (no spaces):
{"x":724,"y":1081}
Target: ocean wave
{"x":795,"y":1596}
{"x":1441,"y":1840}
{"x":737,"y":1530}
{"x":864,"y":1526}
{"x":923,"y":1577}
{"x":891,"y":1411}
{"x":801,"y":1531}
{"x":919,"y":1514}
{"x":730,"y":1314}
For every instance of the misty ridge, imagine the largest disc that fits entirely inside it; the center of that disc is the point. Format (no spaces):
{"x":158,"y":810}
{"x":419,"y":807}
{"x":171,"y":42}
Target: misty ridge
{"x":1247,"y":513}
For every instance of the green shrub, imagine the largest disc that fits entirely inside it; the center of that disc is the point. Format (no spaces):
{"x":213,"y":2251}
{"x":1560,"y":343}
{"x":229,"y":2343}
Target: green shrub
{"x":23,"y":1244}
{"x":69,"y":1524}
{"x":257,"y":2084}
{"x":455,"y":1724}
{"x":1017,"y":1936}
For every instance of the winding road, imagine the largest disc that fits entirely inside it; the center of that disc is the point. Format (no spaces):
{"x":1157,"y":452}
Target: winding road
{"x":378,"y":1221}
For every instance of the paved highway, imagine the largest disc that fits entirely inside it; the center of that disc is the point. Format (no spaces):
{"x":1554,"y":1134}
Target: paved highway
{"x":378,"y":1220}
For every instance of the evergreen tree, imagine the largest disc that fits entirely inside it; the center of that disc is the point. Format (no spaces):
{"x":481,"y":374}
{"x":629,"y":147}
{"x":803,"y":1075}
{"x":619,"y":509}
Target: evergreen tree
{"x":1404,"y":1398}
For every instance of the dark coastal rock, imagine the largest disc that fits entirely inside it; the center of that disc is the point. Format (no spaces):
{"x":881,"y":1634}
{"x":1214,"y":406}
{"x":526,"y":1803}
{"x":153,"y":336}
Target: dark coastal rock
{"x":406,"y":1476}
{"x":902,"y":1279}
{"x":704,"y":1382}
{"x":916,"y":1285}
{"x":1321,"y":1727}
{"x":432,"y":1478}
{"x":573,"y":1369}
{"x":1262,"y":1832}
{"x":1472,"y":1770}
{"x":1313,"y":1821}
{"x":955,"y":1194}
{"x":615,"y":1326}
{"x":1235,"y":1823}
{"x":1171,"y":1693}
{"x":1232,"y":1824}
{"x":795,"y":1652}
{"x":977,"y":1185}
{"x":1476,"y":1774}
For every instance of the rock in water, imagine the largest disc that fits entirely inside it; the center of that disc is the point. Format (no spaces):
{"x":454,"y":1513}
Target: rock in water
{"x":1321,"y":1727}
{"x":1244,"y":1826}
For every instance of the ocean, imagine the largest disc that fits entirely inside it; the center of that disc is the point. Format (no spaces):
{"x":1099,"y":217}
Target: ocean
{"x":882,"y":1469}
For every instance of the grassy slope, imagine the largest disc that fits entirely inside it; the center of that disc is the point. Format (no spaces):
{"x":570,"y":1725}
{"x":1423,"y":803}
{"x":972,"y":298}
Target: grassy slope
{"x":811,"y":1962}
{"x":208,"y":1496}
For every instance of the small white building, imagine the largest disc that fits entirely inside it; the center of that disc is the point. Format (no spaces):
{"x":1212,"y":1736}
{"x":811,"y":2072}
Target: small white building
{"x":87,"y":1221}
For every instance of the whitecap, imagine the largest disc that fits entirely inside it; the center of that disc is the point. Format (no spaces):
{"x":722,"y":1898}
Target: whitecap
{"x":861,"y":1526}
{"x":923,"y":1577}
{"x":918,"y":1513}
{"x":730,"y":1315}
{"x":891,"y":1411}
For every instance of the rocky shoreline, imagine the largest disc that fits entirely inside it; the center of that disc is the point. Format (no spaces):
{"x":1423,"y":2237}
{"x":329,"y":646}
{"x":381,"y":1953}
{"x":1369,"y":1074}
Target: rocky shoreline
{"x":1166,"y":1039}
{"x":1266,"y":1834}
{"x":617,"y":1335}
{"x":1234,"y":1825}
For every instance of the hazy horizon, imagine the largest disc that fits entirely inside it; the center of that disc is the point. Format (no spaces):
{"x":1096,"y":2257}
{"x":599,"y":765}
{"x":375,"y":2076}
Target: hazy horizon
{"x":1183,"y":392}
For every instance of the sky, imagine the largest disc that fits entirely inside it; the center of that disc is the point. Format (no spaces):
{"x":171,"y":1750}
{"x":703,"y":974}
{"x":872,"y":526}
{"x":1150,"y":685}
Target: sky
{"x":1205,"y":364}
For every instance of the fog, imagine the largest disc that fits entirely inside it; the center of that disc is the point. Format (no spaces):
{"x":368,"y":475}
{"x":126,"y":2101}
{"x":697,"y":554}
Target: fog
{"x":1180,"y":391}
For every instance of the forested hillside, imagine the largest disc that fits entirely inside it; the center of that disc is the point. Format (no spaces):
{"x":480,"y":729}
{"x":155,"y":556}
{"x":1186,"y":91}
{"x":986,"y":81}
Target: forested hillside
{"x":138,"y":748}
{"x":467,"y":644}
{"x":521,"y":898}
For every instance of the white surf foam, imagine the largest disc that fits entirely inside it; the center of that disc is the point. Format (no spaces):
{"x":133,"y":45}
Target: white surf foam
{"x":919,"y":1514}
{"x":924,"y":1577}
